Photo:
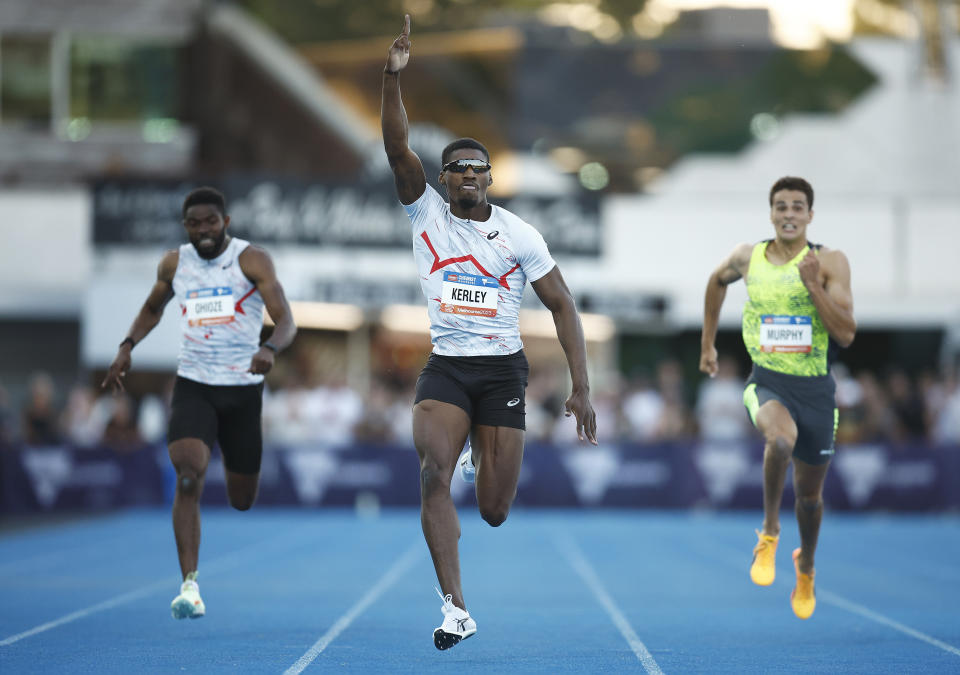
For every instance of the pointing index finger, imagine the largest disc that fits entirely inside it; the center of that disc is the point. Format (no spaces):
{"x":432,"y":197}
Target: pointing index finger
{"x":406,"y":25}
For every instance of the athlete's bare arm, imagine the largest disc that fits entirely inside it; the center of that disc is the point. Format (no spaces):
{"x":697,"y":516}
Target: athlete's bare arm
{"x":407,"y":168}
{"x":257,"y":266}
{"x":827,"y":278}
{"x":554,"y":294}
{"x":733,"y":267}
{"x":145,"y":321}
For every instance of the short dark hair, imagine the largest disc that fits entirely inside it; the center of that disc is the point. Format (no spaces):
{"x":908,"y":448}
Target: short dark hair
{"x":793,"y":183}
{"x":463,"y":143}
{"x":205,"y":195}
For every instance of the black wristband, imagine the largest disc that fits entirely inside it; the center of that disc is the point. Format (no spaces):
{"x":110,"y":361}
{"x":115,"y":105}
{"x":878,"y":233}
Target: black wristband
{"x":272,"y":347}
{"x":126,"y":340}
{"x":391,"y":72}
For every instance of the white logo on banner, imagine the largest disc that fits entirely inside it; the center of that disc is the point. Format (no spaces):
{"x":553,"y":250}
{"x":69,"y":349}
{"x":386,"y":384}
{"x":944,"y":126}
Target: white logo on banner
{"x":312,"y":472}
{"x":591,"y":471}
{"x":49,"y":470}
{"x":723,"y":469}
{"x":861,"y":468}
{"x":865,"y":468}
{"x":53,"y":469}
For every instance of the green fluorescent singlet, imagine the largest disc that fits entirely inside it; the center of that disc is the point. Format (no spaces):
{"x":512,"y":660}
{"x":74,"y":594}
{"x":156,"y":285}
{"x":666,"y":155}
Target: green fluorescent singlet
{"x":782,"y":330}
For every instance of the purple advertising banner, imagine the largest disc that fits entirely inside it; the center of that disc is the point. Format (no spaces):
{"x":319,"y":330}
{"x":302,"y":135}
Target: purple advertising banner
{"x":677,"y":475}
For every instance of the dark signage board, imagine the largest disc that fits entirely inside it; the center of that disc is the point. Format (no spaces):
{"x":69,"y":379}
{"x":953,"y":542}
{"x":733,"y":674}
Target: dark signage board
{"x":280,"y":211}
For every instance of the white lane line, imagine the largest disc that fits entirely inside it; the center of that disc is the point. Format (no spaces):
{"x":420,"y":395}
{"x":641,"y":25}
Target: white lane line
{"x":850,"y":606}
{"x":386,"y":581}
{"x":729,"y":556}
{"x":220,"y":564}
{"x":569,"y":548}
{"x":107,"y":604}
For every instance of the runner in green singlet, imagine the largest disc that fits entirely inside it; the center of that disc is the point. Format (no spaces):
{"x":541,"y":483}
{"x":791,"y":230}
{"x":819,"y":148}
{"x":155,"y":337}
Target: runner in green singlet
{"x":799,"y":313}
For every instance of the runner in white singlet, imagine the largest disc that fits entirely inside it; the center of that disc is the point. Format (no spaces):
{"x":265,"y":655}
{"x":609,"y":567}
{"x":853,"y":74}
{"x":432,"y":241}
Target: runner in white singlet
{"x":222,"y":285}
{"x":474,"y":260}
{"x":473,"y":274}
{"x":221,"y":316}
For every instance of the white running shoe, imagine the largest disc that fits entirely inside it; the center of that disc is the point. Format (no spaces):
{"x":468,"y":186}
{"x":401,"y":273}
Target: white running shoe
{"x":468,"y":472}
{"x":457,"y":624}
{"x":188,"y":603}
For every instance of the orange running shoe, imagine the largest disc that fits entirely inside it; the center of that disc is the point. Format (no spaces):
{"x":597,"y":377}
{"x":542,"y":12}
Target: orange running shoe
{"x":764,"y":566}
{"x":803,"y":599}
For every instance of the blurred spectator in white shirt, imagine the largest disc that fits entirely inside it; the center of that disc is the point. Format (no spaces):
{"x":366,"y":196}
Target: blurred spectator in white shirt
{"x":332,"y":410}
{"x":85,"y":417}
{"x":721,"y":415}
{"x":401,"y":416}
{"x":947,"y":427}
{"x":642,"y":409}
{"x":849,"y":404}
{"x":154,"y":413}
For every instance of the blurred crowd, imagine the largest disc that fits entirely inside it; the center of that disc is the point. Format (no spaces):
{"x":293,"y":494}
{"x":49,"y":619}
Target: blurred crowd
{"x":647,"y":407}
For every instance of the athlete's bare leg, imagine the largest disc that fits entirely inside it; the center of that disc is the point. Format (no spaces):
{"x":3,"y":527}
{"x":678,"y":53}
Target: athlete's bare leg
{"x":780,"y":435}
{"x":242,"y":489}
{"x":497,"y":454}
{"x":190,"y":457}
{"x":808,"y":482}
{"x":439,"y":433}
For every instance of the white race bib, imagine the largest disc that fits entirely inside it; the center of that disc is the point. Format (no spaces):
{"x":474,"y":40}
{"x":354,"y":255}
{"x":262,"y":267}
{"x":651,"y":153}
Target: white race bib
{"x":469,"y":294}
{"x":789,"y":334}
{"x":208,"y":306}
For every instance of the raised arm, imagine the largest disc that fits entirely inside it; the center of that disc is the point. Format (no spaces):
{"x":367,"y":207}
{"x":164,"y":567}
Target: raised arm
{"x":733,"y":267}
{"x":554,"y":294}
{"x":827,"y":278}
{"x":258,"y":268}
{"x":407,"y":168}
{"x":147,"y":318}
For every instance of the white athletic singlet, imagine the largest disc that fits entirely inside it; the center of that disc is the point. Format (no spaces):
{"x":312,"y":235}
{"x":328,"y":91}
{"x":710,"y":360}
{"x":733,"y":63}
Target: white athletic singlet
{"x":473,"y":274}
{"x":221,"y":315}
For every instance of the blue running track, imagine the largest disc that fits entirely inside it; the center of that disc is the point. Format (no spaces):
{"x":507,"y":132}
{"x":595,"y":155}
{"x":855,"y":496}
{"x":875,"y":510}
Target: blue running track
{"x":552,"y":592}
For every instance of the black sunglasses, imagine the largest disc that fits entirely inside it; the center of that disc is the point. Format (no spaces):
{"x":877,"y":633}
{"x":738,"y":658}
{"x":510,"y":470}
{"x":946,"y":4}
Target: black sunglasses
{"x":461,"y":166}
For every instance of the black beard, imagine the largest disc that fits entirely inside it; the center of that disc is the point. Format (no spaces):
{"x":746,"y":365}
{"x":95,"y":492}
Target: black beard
{"x":467,"y":202}
{"x":217,"y":246}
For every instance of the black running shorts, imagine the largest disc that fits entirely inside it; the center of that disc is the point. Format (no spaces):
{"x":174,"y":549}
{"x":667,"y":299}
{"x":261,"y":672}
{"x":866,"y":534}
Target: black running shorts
{"x":491,"y":389}
{"x":811,"y":402}
{"x":229,"y":414}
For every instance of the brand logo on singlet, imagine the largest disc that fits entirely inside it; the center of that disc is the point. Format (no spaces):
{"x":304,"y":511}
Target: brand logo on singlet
{"x":493,"y":235}
{"x":513,"y":402}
